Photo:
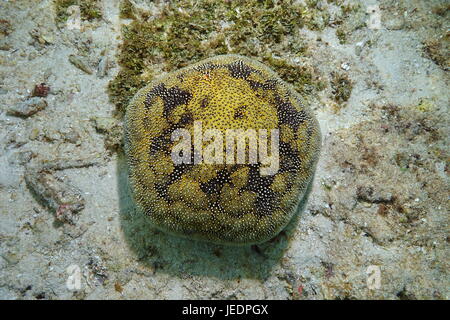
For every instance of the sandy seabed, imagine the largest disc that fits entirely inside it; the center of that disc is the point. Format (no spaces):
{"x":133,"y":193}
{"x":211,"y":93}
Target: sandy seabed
{"x":378,"y":208}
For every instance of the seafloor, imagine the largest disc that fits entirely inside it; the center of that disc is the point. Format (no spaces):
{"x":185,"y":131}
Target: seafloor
{"x":377,"y":79}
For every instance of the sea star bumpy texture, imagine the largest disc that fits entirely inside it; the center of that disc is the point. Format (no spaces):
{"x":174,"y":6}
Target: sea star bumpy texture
{"x":219,"y":202}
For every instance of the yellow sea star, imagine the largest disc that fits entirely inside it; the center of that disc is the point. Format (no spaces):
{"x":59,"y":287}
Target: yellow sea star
{"x":220,"y":201}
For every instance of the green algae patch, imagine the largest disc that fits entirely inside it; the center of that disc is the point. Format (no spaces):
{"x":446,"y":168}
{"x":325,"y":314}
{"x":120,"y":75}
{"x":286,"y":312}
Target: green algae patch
{"x":341,"y":86}
{"x":126,"y":10}
{"x":437,"y":49}
{"x":183,"y":33}
{"x":89,"y":9}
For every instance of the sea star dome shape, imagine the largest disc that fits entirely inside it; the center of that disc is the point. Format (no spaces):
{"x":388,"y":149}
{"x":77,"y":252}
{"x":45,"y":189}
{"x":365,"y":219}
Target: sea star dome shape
{"x":222,"y":150}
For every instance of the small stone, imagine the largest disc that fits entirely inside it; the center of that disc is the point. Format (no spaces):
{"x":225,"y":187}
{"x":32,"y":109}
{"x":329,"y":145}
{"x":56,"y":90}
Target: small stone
{"x":28,"y":107}
{"x":396,"y":23}
{"x":48,"y":38}
{"x":34,"y":134}
{"x":11,"y":257}
{"x":367,"y":204}
{"x":358,"y":48}
{"x":43,"y":39}
{"x":58,"y":194}
{"x":102,"y":68}
{"x":104,"y":124}
{"x":74,"y":20}
{"x":345,"y":66}
{"x":81,"y":63}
